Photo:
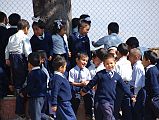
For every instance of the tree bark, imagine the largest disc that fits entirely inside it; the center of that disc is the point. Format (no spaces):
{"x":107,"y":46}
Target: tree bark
{"x":51,"y":10}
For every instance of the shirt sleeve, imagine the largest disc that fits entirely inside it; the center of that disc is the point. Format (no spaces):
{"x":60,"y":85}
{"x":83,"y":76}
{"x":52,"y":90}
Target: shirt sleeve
{"x":100,"y":42}
{"x":71,"y":76}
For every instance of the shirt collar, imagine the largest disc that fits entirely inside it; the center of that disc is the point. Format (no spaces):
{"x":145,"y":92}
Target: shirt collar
{"x":35,"y":68}
{"x":3,"y":25}
{"x":148,"y":67}
{"x":41,"y":37}
{"x":59,"y":73}
{"x":79,"y":35}
{"x":13,"y":27}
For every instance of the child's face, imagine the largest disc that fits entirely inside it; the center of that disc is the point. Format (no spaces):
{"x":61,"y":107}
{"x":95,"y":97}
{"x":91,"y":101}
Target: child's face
{"x":37,"y":31}
{"x":132,"y":58}
{"x":96,"y":61}
{"x":109,"y":64}
{"x":84,"y":29}
{"x":145,"y":62}
{"x":62,"y":31}
{"x":62,"y":69}
{"x":26,"y":30}
{"x":82,"y":62}
{"x":114,"y":52}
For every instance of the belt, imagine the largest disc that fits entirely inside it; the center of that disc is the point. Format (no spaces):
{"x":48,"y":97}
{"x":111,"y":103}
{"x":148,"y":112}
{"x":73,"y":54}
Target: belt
{"x":14,"y":52}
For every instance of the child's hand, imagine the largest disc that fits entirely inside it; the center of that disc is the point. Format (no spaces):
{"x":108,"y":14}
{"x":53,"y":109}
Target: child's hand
{"x":8,"y":62}
{"x":50,"y":58}
{"x":54,"y":108}
{"x":133,"y":99}
{"x":82,"y":93}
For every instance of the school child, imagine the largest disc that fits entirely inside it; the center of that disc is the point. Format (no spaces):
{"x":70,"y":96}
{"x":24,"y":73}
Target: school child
{"x":75,"y":22}
{"x":85,"y":18}
{"x":106,"y":81}
{"x":3,"y":76}
{"x":61,"y":91}
{"x":79,"y":76}
{"x":60,"y":46}
{"x":151,"y":83}
{"x":113,"y":50}
{"x":36,"y":86}
{"x":79,"y":42}
{"x":41,"y":40}
{"x":112,"y":39}
{"x":124,"y":69}
{"x":16,"y":53}
{"x":97,"y":59}
{"x":137,"y":82}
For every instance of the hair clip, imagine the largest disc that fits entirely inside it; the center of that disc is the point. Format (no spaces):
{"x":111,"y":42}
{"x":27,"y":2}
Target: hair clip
{"x":87,"y":19}
{"x":59,"y":23}
{"x":36,"y":19}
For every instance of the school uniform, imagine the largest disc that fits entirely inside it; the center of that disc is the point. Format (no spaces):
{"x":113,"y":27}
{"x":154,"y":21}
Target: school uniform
{"x":152,"y":89}
{"x":60,"y":46}
{"x":124,"y":69}
{"x":78,"y":75}
{"x":78,"y":43}
{"x":61,"y":96}
{"x":43,"y":42}
{"x":17,"y":50}
{"x":110,"y":40}
{"x":36,"y":89}
{"x":3,"y":77}
{"x":105,"y":93}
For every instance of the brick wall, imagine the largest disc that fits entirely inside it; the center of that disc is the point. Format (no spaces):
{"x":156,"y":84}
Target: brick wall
{"x":7,"y":108}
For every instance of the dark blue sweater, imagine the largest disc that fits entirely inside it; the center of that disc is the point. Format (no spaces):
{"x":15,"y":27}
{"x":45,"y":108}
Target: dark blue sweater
{"x":45,"y":44}
{"x":60,"y":89}
{"x":37,"y":83}
{"x":152,"y":82}
{"x":106,"y":87}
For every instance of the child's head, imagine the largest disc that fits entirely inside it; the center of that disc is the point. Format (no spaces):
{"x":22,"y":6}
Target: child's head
{"x":81,"y":60}
{"x":113,"y":27}
{"x":38,"y":26}
{"x":42,"y":56}
{"x":113,"y":50}
{"x":150,"y":58}
{"x":109,"y":62}
{"x":122,"y":50}
{"x":59,"y":27}
{"x":33,"y":60}
{"x":83,"y":27}
{"x":98,"y":56}
{"x":3,"y":18}
{"x":14,"y":18}
{"x":134,"y":55}
{"x":59,"y":64}
{"x":85,"y":18}
{"x":75,"y":22}
{"x":132,"y":42}
{"x":23,"y":25}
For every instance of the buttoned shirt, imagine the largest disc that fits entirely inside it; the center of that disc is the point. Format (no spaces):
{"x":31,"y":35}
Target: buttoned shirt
{"x":18,"y":43}
{"x":138,"y":76}
{"x":110,"y":40}
{"x":124,"y":69}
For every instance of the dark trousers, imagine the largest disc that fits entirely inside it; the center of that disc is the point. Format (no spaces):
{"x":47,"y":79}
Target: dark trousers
{"x":103,"y":111}
{"x":88,"y":104}
{"x":35,"y":107}
{"x":65,"y":111}
{"x":3,"y":83}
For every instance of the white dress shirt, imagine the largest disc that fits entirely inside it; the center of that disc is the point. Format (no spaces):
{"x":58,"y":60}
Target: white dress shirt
{"x":18,"y":43}
{"x":124,"y":69}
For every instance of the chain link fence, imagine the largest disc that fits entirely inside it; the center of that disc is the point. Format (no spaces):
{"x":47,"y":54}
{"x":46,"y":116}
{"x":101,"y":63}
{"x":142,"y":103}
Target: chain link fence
{"x":135,"y":17}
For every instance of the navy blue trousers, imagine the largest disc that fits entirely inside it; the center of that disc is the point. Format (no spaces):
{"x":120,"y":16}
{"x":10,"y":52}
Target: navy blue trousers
{"x":65,"y":111}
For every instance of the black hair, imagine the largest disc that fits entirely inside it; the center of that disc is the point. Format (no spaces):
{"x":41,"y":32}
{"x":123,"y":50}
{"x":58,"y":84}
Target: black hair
{"x":100,"y":53}
{"x":42,"y":53}
{"x":22,"y":24}
{"x":57,"y":26}
{"x":83,"y":18}
{"x":34,"y":59}
{"x":75,"y":22}
{"x":107,"y":56}
{"x":2,"y":16}
{"x":14,"y":18}
{"x":80,"y":54}
{"x":58,"y":62}
{"x":113,"y":27}
{"x":132,"y":42}
{"x":123,"y":49}
{"x":152,"y":56}
{"x":40,"y":24}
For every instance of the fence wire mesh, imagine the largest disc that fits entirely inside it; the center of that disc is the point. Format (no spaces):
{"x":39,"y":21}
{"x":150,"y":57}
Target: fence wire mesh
{"x":135,"y":17}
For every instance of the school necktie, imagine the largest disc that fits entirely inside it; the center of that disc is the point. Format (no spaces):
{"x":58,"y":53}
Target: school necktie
{"x":110,"y":74}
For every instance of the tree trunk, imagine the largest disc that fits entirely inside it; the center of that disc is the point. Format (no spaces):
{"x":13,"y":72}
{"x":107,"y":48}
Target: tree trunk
{"x":51,"y":10}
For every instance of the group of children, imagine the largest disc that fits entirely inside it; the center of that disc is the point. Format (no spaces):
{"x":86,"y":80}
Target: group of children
{"x":51,"y":74}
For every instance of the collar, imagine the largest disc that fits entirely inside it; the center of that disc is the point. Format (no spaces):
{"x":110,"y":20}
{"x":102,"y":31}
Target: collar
{"x":79,"y":36}
{"x":13,"y":27}
{"x":59,"y":73}
{"x":114,"y":34}
{"x":35,"y":68}
{"x":3,"y":25}
{"x":79,"y":69}
{"x":41,"y":37}
{"x":138,"y":62}
{"x":148,"y":67}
